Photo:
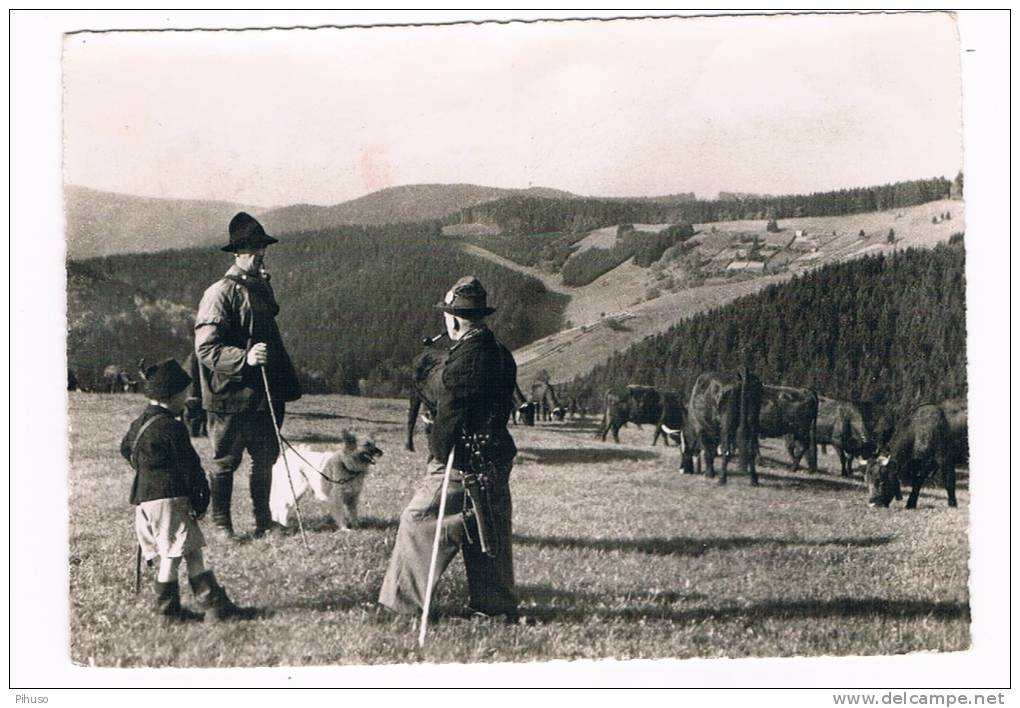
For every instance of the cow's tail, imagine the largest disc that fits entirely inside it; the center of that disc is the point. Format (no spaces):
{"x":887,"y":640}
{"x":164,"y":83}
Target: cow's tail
{"x":813,"y":439}
{"x":604,"y":425}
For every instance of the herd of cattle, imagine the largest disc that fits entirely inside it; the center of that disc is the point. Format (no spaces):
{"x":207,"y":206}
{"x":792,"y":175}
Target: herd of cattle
{"x":726,"y":414}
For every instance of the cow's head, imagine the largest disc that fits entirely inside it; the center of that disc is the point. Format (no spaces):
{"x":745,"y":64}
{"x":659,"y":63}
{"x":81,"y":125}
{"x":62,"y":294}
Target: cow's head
{"x":882,"y":480}
{"x":677,"y":435}
{"x":559,"y":412}
{"x":526,"y":412}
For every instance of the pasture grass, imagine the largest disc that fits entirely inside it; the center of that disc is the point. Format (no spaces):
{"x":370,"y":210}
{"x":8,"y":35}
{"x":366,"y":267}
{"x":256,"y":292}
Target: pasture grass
{"x":617,"y":555}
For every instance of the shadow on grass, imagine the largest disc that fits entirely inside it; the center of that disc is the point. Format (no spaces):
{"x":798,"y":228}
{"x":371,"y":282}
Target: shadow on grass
{"x":582,"y":455}
{"x":811,"y":482}
{"x":682,"y":546}
{"x":583,"y":607}
{"x":326,"y":524}
{"x":833,"y":479}
{"x":316,"y":415}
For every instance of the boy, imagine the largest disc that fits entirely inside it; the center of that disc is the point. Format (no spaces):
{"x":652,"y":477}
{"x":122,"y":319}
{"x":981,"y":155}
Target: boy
{"x":170,"y":491}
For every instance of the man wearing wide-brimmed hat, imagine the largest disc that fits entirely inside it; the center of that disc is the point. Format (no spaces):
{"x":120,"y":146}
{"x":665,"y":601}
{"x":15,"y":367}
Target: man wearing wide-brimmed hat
{"x":479,"y":378}
{"x":236,"y":340}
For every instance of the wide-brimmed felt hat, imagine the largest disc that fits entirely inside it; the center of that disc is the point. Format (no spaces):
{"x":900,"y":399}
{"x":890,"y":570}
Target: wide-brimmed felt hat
{"x":466,"y":297}
{"x":247,"y":232}
{"x":165,"y":379}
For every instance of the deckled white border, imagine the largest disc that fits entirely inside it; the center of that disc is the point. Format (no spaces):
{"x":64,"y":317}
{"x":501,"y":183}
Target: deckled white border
{"x":38,"y":512}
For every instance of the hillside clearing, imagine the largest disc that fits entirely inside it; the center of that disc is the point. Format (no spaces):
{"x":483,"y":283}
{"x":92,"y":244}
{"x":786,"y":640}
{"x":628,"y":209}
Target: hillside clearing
{"x":616,"y":553}
{"x":635,"y":297}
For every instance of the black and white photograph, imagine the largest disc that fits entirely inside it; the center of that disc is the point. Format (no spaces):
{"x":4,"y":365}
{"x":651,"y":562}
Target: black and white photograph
{"x":651,"y":347}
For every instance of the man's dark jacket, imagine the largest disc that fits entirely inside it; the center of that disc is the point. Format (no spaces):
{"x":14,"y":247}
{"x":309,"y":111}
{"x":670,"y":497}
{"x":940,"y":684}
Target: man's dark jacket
{"x":478,"y":386}
{"x":166,"y":465}
{"x":236,"y":312}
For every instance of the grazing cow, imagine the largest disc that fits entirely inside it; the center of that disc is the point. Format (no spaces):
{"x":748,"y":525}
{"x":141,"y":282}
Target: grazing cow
{"x":880,"y":421}
{"x":722,"y":415}
{"x":932,"y":438}
{"x":543,"y":395}
{"x":791,"y":413}
{"x":842,"y":425}
{"x":576,"y":409}
{"x":640,"y":405}
{"x":426,"y":387}
{"x":524,"y":410}
{"x":118,"y":380}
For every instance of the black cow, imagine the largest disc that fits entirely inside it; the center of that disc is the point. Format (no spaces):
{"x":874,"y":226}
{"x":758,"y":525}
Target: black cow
{"x":524,"y":410}
{"x":640,"y":405}
{"x":543,"y":395}
{"x":194,"y":417}
{"x":576,"y":409}
{"x":118,"y":380}
{"x":880,"y":421}
{"x":722,"y":415}
{"x":791,"y":413}
{"x":841,"y":424}
{"x":932,"y":438}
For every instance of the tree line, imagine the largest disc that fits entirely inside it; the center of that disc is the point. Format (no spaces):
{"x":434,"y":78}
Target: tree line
{"x":888,"y":329}
{"x":532,"y":215}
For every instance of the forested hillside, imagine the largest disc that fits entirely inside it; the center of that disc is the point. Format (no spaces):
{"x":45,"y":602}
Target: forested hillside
{"x":529,"y":215}
{"x":112,"y":322}
{"x":884,"y":328}
{"x":355,"y":301}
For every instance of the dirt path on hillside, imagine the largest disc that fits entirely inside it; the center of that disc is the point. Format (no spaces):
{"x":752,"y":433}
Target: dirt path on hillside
{"x":551,"y":281}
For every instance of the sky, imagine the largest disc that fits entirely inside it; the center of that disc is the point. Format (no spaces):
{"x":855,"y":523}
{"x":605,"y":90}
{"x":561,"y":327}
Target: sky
{"x":775,"y":105}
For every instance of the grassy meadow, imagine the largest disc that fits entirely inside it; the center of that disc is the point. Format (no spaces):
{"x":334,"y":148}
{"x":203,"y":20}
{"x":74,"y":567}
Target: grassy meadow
{"x":617,"y":555}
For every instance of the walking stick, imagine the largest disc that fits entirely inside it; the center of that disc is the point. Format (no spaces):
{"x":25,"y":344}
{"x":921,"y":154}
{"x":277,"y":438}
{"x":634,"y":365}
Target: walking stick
{"x":138,"y":569}
{"x":435,"y":552}
{"x":286,"y":465}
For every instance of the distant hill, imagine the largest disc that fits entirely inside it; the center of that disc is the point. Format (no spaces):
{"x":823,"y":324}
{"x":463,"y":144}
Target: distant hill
{"x":396,"y":205}
{"x":104,"y":223}
{"x":107,"y":223}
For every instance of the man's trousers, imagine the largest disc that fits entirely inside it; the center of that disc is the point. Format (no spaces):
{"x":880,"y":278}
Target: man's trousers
{"x":490,"y":580}
{"x":231,"y":435}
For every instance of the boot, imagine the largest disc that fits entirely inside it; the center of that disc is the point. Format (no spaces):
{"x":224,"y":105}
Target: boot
{"x":168,"y":604}
{"x":221,"y":487}
{"x":260,"y":485}
{"x":213,"y":599}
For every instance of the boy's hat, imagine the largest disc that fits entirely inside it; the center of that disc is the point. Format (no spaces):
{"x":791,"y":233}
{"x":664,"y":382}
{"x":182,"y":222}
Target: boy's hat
{"x":165,"y":379}
{"x":246,"y":232}
{"x":466,"y":297}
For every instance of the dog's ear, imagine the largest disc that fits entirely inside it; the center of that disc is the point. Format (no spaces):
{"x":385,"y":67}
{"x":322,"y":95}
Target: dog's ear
{"x":350,"y":442}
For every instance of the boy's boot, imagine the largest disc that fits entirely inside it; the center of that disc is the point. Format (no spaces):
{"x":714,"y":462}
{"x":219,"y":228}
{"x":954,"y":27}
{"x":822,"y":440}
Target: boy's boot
{"x":213,"y":599}
{"x":221,"y":487}
{"x":168,"y":604}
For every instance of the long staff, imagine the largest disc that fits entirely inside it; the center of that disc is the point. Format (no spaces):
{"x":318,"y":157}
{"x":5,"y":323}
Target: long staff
{"x":283,"y":453}
{"x":435,"y":553}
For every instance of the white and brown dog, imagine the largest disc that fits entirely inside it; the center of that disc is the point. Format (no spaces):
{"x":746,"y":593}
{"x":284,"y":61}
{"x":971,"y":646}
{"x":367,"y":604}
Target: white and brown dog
{"x":334,"y":477}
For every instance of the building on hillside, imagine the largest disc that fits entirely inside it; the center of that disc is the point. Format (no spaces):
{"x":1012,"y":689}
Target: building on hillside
{"x":749,"y":266}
